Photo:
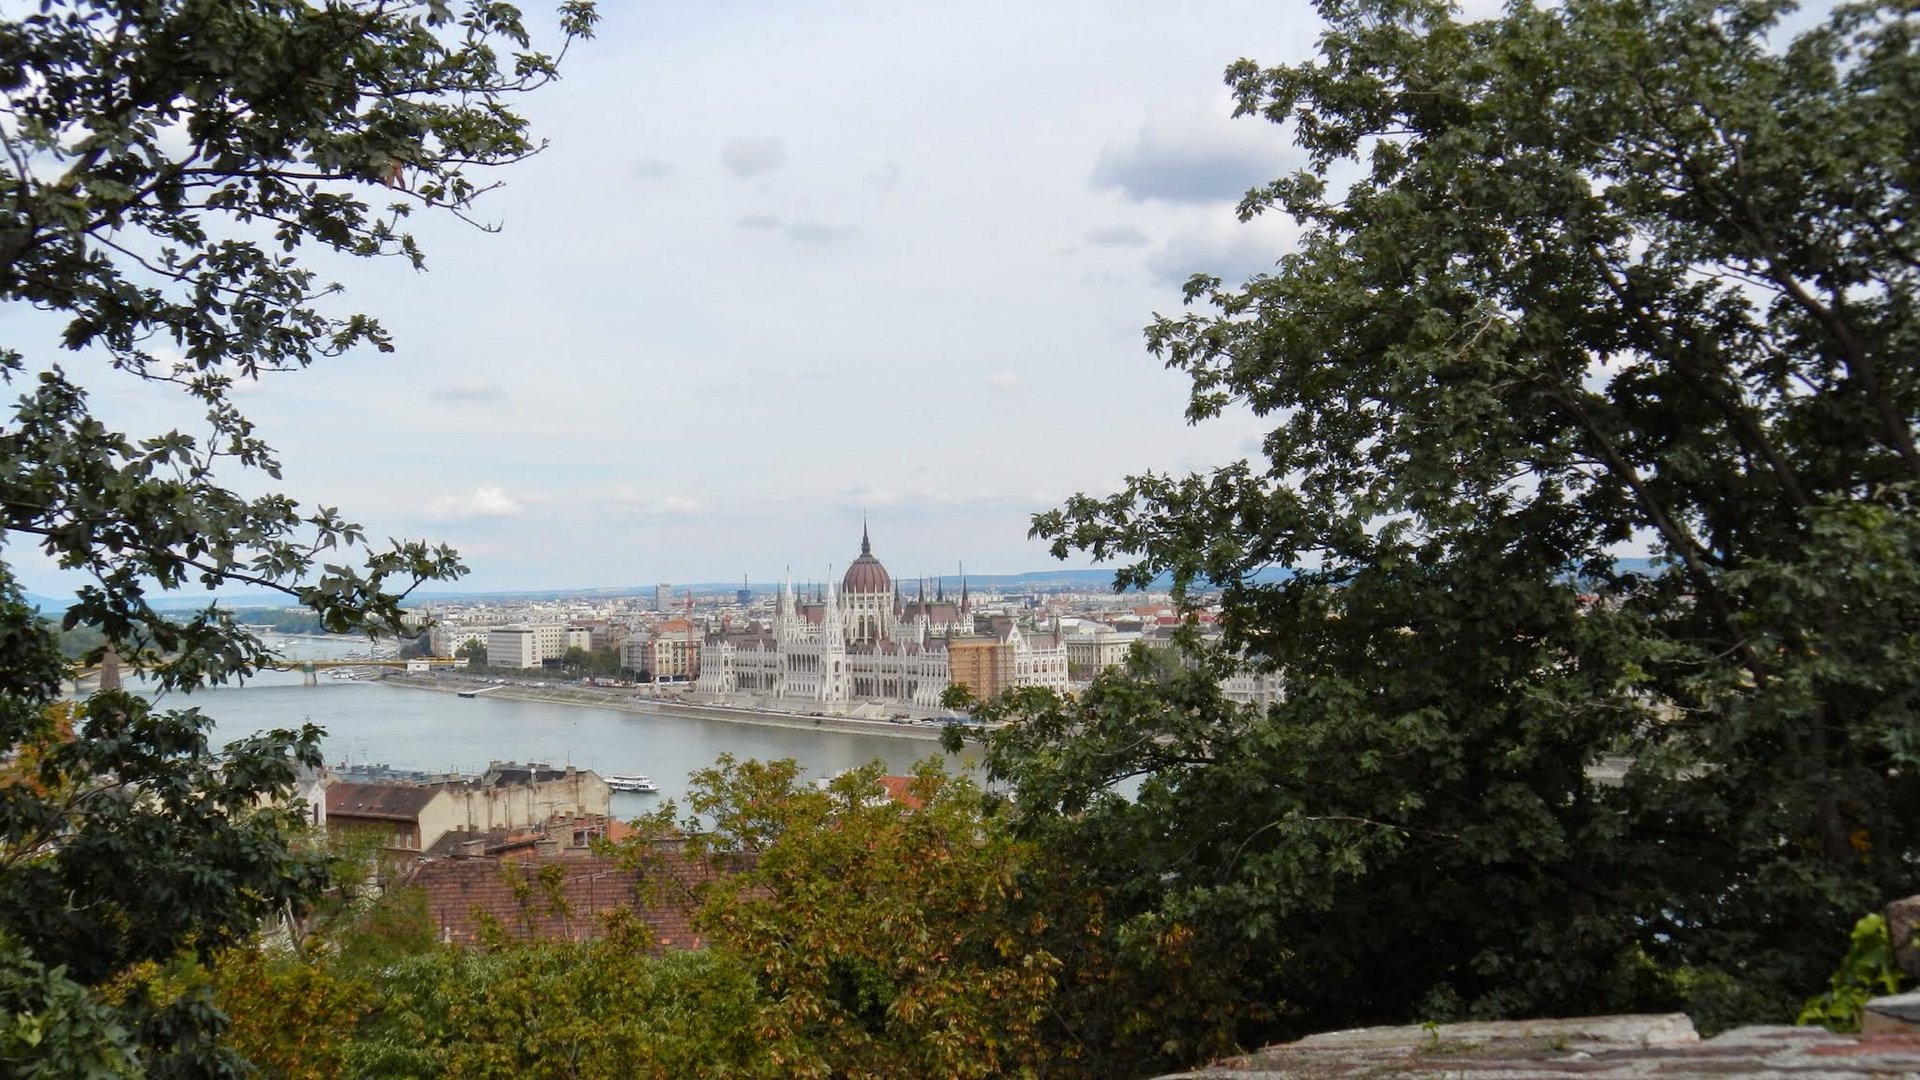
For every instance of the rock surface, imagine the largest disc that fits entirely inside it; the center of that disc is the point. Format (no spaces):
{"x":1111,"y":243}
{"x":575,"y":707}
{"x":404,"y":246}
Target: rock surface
{"x":1903,"y":917}
{"x":1663,"y":1047}
{"x":1894,"y":1014}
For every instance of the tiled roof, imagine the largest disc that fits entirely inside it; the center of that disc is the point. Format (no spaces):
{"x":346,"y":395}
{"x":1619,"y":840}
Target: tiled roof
{"x":393,"y":802}
{"x":462,"y":893}
{"x":900,"y":790}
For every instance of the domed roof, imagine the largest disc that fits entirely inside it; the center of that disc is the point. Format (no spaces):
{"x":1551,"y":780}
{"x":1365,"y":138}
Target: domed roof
{"x":866,"y":575}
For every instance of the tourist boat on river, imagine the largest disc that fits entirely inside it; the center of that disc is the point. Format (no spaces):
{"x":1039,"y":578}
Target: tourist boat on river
{"x":630,"y":782}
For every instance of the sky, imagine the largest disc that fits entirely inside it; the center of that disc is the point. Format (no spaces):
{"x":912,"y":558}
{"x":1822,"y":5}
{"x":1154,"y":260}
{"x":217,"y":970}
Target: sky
{"x":787,"y":265}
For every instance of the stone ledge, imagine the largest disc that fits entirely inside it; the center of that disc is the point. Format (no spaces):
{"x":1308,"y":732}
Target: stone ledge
{"x":1891,"y":1015}
{"x":1592,"y":1048}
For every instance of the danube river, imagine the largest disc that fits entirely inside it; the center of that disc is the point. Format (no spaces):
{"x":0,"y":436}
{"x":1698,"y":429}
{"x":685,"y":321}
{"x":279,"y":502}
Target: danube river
{"x":368,"y":722}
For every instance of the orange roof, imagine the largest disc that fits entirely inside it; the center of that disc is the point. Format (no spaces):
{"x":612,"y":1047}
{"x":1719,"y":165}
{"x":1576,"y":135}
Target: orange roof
{"x":900,"y":790}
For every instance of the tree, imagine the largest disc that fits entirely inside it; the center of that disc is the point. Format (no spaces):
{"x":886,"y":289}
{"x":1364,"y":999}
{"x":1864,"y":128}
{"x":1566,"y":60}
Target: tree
{"x":883,"y":939}
{"x":1579,"y":279}
{"x":604,"y":662}
{"x":165,"y":166}
{"x":473,"y":652}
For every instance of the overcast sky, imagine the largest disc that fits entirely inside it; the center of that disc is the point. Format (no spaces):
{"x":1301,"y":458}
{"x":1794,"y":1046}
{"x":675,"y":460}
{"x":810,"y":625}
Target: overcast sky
{"x":787,"y":263}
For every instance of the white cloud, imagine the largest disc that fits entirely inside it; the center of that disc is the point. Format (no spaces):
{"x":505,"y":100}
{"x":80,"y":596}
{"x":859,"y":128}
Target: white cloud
{"x":652,"y":504}
{"x":1118,"y":236}
{"x":485,"y":501}
{"x":1230,"y":250}
{"x":650,"y":168}
{"x":468,"y":390}
{"x":1193,"y":151}
{"x":1005,"y":380}
{"x":814,"y":232}
{"x":754,"y":157}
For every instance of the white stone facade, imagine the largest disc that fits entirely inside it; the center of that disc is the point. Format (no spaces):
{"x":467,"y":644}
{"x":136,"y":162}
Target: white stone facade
{"x":1091,"y":652}
{"x":447,"y":640}
{"x":862,"y":643}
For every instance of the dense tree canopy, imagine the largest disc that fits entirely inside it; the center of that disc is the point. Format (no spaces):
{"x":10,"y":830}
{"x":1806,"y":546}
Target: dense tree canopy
{"x":167,"y":166}
{"x":884,"y":936}
{"x":1585,"y":280}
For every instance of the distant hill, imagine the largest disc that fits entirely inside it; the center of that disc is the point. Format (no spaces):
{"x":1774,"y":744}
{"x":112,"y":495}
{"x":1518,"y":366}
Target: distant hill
{"x":1036,"y":581}
{"x":54,"y":605}
{"x":46,"y":605}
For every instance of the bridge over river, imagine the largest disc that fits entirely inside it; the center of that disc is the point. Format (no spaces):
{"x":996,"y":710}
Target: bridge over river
{"x":108,"y":671}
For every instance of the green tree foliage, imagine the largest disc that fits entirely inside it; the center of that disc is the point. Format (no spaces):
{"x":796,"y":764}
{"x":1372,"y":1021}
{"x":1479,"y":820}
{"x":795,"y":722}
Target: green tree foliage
{"x":1569,"y":281}
{"x":841,"y":933}
{"x":605,"y":663}
{"x":473,"y":652}
{"x":1866,"y":972}
{"x":167,"y":165}
{"x":54,"y":1029}
{"x":603,"y":1009}
{"x":882,"y":939}
{"x":598,"y":1010}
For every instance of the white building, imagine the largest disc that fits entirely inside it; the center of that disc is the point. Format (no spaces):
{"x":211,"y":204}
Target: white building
{"x":862,"y":642}
{"x":513,"y":646}
{"x":1250,"y":687}
{"x":530,"y":646}
{"x":446,"y":640}
{"x":1095,"y":650}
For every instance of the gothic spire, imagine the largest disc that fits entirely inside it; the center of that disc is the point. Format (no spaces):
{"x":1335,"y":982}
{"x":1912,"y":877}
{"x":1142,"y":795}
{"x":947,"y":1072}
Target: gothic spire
{"x":866,"y":547}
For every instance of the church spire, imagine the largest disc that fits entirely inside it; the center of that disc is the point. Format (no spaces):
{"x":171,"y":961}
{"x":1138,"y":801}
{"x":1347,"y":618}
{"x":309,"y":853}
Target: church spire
{"x":831,"y":629}
{"x":866,"y":546}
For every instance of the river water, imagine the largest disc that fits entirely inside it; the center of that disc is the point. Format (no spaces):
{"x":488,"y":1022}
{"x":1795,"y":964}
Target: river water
{"x":370,"y":722}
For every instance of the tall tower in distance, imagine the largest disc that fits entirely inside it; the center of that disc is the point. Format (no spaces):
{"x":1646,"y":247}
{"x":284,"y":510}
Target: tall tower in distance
{"x":662,"y":597}
{"x":866,"y":596}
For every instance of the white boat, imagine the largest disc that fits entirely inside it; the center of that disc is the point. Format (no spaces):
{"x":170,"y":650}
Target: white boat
{"x":630,"y":782}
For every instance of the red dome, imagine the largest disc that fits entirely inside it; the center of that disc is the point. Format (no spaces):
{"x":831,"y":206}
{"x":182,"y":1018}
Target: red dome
{"x":866,"y":575}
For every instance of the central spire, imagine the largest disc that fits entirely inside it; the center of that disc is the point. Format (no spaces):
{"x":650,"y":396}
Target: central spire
{"x":866,"y":547}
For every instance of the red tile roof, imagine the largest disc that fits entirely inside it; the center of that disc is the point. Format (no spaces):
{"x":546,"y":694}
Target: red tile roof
{"x":463,"y":893}
{"x":900,"y":790}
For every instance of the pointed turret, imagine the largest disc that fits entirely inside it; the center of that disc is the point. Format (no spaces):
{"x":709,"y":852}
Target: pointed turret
{"x":784,"y":609}
{"x":830,"y":628}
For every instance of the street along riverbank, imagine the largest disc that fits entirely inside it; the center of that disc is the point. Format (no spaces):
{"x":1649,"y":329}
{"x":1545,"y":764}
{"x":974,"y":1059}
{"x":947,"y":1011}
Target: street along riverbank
{"x":594,"y":697}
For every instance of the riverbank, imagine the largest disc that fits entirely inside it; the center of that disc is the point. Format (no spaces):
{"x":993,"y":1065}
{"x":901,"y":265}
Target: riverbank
{"x":628,"y":702}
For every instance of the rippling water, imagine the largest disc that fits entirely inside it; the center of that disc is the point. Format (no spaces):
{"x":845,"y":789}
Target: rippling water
{"x":420,"y":729}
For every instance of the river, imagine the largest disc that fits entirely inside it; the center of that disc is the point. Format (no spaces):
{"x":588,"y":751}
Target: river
{"x":368,"y":722}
